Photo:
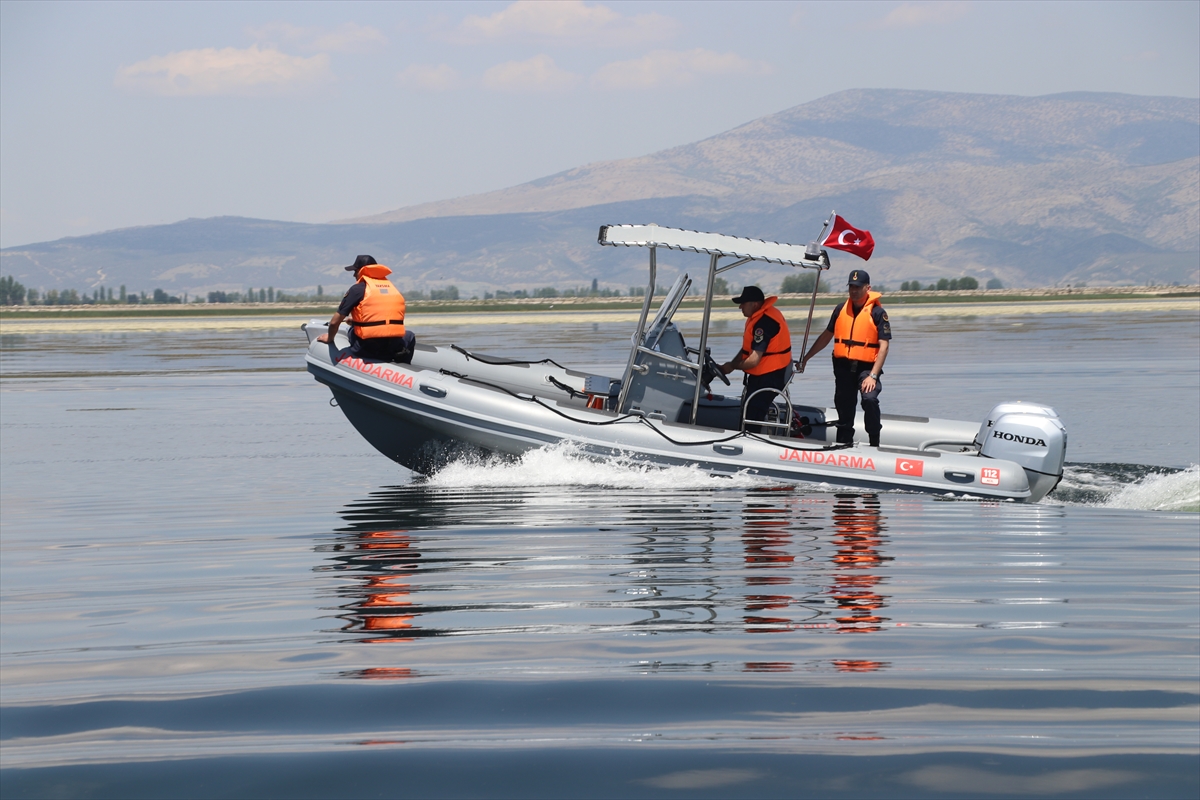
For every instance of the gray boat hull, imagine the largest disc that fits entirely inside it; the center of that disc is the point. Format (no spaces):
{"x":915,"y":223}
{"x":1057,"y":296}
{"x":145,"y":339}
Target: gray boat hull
{"x":449,"y":404}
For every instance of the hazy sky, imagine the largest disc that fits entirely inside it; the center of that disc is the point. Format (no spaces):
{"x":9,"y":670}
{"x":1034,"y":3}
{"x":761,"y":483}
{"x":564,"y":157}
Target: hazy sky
{"x":122,"y":114}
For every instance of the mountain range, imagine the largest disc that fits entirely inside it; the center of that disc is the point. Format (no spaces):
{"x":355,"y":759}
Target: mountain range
{"x":1067,"y":188}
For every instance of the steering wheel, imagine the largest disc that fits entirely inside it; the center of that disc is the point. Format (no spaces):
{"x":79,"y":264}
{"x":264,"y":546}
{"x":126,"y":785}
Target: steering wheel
{"x":711,"y":365}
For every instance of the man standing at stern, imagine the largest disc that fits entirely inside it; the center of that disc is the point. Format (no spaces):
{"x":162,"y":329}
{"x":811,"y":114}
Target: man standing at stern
{"x":861,"y":334}
{"x":766,"y":354}
{"x":376,"y":311}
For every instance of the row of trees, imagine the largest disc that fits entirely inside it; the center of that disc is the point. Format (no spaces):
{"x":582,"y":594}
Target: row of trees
{"x":268,"y":295}
{"x":14,"y":293}
{"x":802,"y":283}
{"x":578,"y":291}
{"x":949,"y":284}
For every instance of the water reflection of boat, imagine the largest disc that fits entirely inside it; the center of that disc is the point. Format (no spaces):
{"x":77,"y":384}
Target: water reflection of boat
{"x":767,"y":561}
{"x":858,"y":537}
{"x":379,"y":604}
{"x":662,"y":409}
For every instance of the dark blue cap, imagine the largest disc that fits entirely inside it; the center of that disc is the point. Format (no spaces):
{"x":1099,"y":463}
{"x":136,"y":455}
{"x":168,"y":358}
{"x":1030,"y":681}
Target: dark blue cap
{"x":360,"y":262}
{"x":750,"y":294}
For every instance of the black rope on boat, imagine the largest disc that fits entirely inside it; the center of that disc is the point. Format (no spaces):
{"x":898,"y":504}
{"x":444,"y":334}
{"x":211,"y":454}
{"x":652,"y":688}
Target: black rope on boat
{"x":495,"y":363}
{"x":573,"y":392}
{"x":639,"y":418}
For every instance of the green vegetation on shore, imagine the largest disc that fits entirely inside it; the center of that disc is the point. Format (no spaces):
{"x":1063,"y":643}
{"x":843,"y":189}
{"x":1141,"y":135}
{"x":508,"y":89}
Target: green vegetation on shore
{"x":527,"y":305}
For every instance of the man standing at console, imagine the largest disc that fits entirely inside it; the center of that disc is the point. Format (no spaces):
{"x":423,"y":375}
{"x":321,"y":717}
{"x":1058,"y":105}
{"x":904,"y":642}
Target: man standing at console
{"x":861,"y":335}
{"x":766,"y":354}
{"x":376,"y":311}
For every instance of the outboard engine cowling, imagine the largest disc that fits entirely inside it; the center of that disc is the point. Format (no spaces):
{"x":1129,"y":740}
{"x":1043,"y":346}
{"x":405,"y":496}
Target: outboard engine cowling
{"x":1030,"y":435}
{"x":1010,"y":407}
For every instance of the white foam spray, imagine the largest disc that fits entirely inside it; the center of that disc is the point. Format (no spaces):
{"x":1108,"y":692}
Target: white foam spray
{"x":565,"y":465}
{"x":1176,"y":491}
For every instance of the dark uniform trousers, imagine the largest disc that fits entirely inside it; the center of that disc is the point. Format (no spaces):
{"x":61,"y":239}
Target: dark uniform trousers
{"x":847,"y":377}
{"x":757,"y":406}
{"x":396,"y":349}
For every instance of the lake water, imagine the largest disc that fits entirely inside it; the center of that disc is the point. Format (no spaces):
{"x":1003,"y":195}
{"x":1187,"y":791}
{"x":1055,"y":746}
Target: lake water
{"x":210,"y":586}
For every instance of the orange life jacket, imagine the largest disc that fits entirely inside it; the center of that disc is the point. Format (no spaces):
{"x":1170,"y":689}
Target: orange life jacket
{"x":381,"y":312}
{"x":779,"y":350}
{"x":855,"y":335}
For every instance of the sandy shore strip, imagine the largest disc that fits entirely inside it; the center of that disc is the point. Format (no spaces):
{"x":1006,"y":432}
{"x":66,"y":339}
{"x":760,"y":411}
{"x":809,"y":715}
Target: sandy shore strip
{"x":19,"y":327}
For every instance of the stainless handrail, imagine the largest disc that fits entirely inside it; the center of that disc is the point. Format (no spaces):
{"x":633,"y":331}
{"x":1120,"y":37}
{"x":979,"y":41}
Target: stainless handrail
{"x":673,"y":359}
{"x":786,"y":426}
{"x":708,"y":298}
{"x":928,"y":444}
{"x":641,"y":329}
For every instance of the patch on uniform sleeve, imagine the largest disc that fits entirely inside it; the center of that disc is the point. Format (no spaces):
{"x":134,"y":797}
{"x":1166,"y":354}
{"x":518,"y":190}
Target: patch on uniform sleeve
{"x":885,"y":327}
{"x":758,"y":335}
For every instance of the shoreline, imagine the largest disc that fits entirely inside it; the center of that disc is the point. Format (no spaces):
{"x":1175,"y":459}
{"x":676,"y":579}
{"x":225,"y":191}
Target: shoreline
{"x":538,"y":305}
{"x":564,"y":313}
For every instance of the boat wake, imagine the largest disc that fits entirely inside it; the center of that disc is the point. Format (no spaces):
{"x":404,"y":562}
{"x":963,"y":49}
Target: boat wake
{"x":566,"y":465}
{"x":1129,"y":486}
{"x":1132,"y":486}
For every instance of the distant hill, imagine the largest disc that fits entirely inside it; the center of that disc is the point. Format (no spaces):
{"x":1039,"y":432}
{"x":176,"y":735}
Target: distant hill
{"x":1068,"y":188}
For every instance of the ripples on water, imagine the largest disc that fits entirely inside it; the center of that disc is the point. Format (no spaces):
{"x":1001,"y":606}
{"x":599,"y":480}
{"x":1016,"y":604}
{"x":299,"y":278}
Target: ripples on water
{"x":211,"y":587}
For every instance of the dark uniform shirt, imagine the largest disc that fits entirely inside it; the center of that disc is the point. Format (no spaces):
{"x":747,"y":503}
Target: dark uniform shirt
{"x":764,"y":330}
{"x":354,"y":295}
{"x":878,"y":315}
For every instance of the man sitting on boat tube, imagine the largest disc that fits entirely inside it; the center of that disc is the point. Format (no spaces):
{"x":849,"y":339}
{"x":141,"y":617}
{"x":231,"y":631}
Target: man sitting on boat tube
{"x":376,"y":311}
{"x":765,"y":357}
{"x":861,"y":335}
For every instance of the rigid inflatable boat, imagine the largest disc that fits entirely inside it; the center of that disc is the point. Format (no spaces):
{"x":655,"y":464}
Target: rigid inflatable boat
{"x":451,"y":401}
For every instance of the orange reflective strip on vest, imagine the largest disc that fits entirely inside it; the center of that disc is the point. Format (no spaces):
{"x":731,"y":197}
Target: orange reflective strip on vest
{"x":779,"y":352}
{"x":855,"y":336}
{"x":381,"y":312}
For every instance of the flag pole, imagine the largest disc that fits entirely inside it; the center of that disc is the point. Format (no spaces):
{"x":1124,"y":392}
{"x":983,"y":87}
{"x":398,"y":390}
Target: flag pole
{"x":814,"y":250}
{"x":825,"y":227}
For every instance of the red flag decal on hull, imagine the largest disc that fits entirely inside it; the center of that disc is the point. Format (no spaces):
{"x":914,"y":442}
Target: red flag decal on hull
{"x":845,"y":236}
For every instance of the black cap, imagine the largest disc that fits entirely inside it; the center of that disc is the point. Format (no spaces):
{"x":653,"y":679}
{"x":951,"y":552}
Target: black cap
{"x":859,"y":277}
{"x":360,"y":262}
{"x":750,"y":294}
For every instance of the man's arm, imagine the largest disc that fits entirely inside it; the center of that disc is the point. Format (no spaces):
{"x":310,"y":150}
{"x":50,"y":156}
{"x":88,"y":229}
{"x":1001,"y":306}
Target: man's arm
{"x":333,"y":328}
{"x":354,"y":295}
{"x":884,"y":327}
{"x":767,"y":330}
{"x":869,"y":382}
{"x":742,"y":362}
{"x":817,"y":347}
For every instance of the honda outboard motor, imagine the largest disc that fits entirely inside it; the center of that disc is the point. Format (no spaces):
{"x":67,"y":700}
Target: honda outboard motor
{"x":1031,"y":435}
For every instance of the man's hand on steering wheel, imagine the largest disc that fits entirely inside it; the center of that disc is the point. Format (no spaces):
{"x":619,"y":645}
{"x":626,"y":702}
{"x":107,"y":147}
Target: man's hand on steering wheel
{"x":710,"y":364}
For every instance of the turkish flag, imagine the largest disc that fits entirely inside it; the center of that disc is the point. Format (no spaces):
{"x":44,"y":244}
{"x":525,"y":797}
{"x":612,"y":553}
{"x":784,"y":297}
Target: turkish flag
{"x":846,"y":237}
{"x":910,"y":466}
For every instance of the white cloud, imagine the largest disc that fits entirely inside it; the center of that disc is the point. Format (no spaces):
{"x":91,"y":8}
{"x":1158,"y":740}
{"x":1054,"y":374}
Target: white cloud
{"x":345,"y":38}
{"x":537,"y":74}
{"x":916,"y":15}
{"x":674,"y":68}
{"x":428,"y":77}
{"x":228,"y":71}
{"x":565,"y":22}
{"x":349,"y":37}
